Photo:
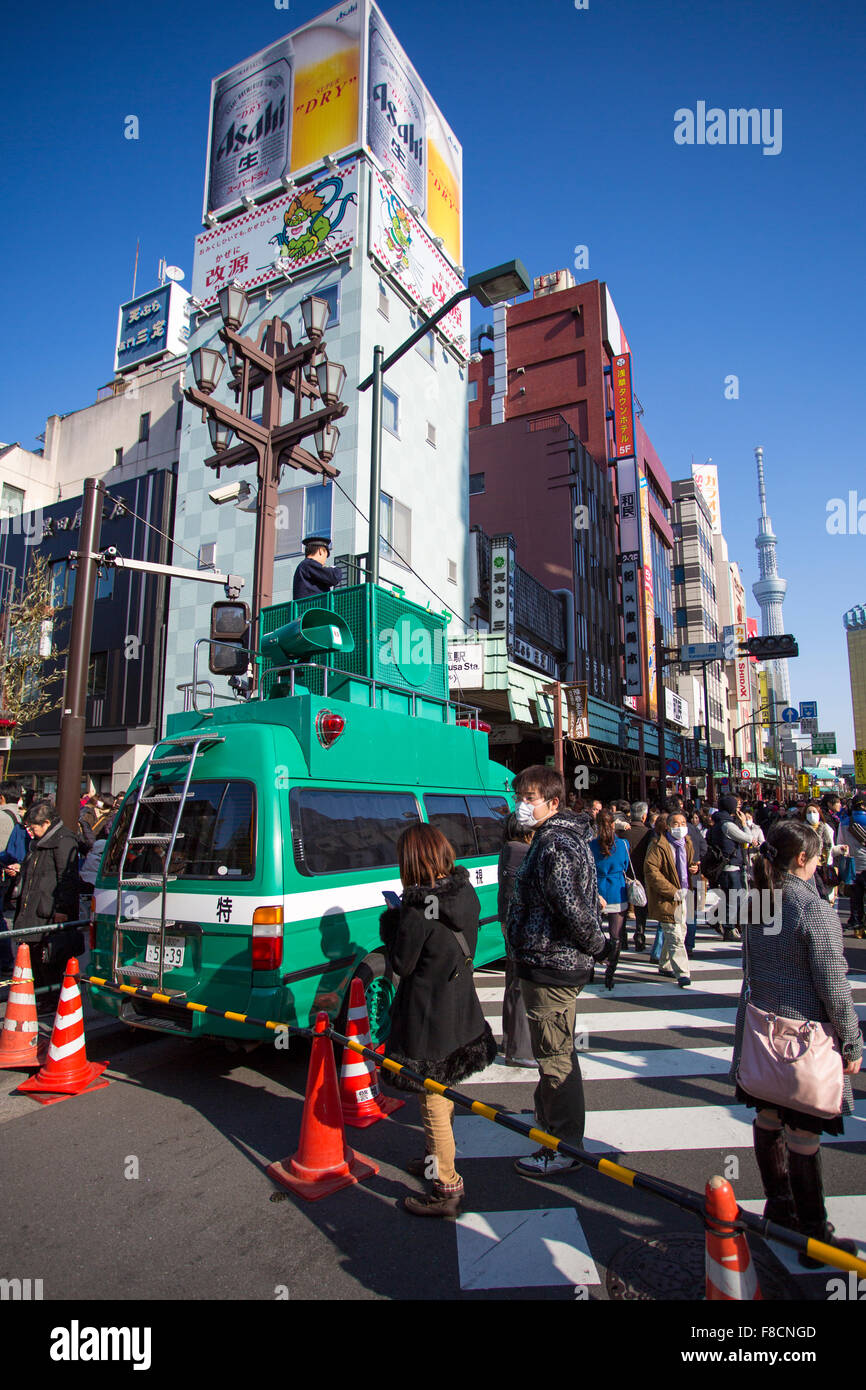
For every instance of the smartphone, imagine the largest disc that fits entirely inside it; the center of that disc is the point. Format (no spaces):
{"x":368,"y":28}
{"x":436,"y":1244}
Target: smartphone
{"x":392,"y":899}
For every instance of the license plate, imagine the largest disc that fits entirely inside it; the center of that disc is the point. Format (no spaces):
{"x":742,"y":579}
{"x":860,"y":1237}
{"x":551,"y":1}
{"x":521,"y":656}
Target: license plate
{"x":172,"y":953}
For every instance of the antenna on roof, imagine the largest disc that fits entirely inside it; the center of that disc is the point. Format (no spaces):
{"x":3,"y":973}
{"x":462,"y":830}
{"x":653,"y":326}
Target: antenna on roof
{"x":135,"y":268}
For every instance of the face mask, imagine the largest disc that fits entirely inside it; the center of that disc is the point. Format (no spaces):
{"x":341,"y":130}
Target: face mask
{"x":525,"y":817}
{"x":812,"y":817}
{"x":749,"y":820}
{"x":678,"y":832}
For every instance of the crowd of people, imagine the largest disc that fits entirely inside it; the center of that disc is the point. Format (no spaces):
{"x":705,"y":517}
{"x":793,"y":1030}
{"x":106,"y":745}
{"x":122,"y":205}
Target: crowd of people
{"x":46,"y":871}
{"x":569,"y":875}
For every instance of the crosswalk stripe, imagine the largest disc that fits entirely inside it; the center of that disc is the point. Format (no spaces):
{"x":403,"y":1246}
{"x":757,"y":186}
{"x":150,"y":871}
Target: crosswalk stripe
{"x":623,"y":1066}
{"x":649,"y":1020}
{"x":526,"y":1249}
{"x":664,"y":1130}
{"x":847,"y":1214}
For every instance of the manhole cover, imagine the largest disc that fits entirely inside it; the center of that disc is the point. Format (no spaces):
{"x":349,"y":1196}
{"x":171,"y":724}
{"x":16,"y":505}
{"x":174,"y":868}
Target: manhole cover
{"x":672,"y":1267}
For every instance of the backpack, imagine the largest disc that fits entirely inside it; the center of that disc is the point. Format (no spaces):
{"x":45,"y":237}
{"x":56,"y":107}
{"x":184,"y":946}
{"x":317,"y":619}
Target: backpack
{"x":714,"y":859}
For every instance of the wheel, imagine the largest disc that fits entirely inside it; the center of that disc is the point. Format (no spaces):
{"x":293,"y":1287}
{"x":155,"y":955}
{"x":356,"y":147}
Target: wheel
{"x":380,"y":986}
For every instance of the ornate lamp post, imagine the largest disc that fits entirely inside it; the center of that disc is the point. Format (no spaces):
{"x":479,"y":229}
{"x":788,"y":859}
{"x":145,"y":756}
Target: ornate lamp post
{"x":273,"y":365}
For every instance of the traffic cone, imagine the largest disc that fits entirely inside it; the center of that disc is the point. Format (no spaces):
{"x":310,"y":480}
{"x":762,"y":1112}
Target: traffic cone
{"x":362,"y":1101}
{"x":730,"y":1273}
{"x":66,"y":1071}
{"x":323,"y":1163}
{"x":19,"y":1040}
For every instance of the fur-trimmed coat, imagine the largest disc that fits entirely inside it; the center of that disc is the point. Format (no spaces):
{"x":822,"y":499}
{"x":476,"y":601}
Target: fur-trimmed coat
{"x":437,"y":1026}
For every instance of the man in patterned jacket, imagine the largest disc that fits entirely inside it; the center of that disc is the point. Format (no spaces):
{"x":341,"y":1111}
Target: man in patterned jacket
{"x":554,"y":936}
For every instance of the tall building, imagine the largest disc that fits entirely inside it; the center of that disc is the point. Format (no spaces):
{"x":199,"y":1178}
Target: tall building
{"x":696,"y":605}
{"x":770,"y":589}
{"x":362,"y":207}
{"x":554,"y":357}
{"x":854,"y":623}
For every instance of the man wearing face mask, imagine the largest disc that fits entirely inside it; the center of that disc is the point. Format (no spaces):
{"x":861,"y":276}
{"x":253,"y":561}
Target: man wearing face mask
{"x":554,"y":937}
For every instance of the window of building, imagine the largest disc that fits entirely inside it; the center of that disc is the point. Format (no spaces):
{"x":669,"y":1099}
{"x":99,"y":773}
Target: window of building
{"x":473,"y":391}
{"x":144,"y":428}
{"x":581,"y":561}
{"x":256,"y":402}
{"x":118,"y":458}
{"x":395,"y":530}
{"x":679,"y":574}
{"x":384,"y":304}
{"x":62,"y":584}
{"x":391,"y":411}
{"x":476,"y":483}
{"x":97,"y":675}
{"x":491,"y":381}
{"x":207,"y":553}
{"x":302,"y":511}
{"x":11,"y":500}
{"x":343,"y":831}
{"x":452,"y":571}
{"x":216,"y":839}
{"x":427,"y":348}
{"x":178,"y":419}
{"x":105,"y":582}
{"x":591,"y":503}
{"x":431,"y":434}
{"x":682,"y":618}
{"x":331,"y":294}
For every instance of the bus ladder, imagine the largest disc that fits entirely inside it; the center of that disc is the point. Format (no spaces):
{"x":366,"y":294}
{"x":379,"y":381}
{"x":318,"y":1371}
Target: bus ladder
{"x":154,"y":926}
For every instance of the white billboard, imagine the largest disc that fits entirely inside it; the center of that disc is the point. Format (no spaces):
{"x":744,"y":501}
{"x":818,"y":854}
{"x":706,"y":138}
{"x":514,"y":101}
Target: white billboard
{"x":707,"y":482}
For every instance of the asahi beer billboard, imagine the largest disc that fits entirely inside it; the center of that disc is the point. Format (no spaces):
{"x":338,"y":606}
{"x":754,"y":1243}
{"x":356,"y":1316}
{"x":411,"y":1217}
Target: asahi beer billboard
{"x":337,"y":83}
{"x":284,"y":109}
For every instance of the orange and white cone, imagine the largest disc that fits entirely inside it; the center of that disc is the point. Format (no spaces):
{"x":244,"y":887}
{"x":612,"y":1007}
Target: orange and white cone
{"x":66,"y":1071}
{"x":731,"y":1275}
{"x":19,"y":1040}
{"x":362,"y":1101}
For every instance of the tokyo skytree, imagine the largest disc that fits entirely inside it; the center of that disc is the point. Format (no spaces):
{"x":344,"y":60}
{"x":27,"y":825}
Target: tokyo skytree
{"x":770,"y":590}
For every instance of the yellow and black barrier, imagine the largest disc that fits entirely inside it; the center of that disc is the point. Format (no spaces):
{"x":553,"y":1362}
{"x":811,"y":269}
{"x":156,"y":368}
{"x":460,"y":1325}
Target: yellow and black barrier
{"x":629,"y":1177}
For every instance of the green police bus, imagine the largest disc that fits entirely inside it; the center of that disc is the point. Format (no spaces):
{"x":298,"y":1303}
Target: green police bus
{"x":247,"y":866}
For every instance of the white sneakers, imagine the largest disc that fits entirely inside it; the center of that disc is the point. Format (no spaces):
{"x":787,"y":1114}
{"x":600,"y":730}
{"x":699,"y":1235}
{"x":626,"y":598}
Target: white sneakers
{"x":544,"y":1164}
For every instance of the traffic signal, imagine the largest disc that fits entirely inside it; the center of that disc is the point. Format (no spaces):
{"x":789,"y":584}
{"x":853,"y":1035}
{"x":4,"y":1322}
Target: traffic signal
{"x":229,"y":638}
{"x":771,"y":648}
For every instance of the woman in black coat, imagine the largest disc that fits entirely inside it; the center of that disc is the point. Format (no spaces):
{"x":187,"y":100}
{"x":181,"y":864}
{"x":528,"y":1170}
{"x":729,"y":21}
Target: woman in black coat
{"x":437,"y":1026}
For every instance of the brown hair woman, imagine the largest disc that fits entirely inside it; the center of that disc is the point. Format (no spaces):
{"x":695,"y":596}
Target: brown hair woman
{"x":437,"y":1026}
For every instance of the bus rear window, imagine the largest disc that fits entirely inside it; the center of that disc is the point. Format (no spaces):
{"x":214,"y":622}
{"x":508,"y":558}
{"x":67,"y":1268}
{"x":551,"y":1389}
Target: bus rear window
{"x":337,"y":831}
{"x":216,"y":837}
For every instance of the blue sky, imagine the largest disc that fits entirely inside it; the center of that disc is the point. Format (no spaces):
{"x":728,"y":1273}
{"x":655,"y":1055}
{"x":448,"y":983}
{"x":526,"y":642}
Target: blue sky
{"x":721,"y":260}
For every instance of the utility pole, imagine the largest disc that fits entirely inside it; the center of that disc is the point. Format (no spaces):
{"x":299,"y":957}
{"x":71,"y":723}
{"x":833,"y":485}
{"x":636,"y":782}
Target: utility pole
{"x":555,"y":690}
{"x":710,"y":783}
{"x":74,"y":718}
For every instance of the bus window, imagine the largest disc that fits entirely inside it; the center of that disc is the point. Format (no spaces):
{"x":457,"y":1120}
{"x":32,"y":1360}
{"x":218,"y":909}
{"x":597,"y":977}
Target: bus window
{"x":216,"y":837}
{"x":489,"y":814}
{"x":338,"y":831}
{"x":450,"y":814}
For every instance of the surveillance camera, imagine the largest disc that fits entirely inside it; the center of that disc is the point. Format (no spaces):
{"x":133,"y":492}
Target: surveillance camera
{"x":230,"y":492}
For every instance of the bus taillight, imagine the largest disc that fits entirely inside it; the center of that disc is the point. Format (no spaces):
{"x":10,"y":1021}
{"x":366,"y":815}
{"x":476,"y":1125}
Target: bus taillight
{"x":267,"y":938}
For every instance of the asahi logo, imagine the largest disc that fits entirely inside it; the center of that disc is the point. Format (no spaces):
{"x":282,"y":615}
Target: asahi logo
{"x":406,"y":131}
{"x":238,"y":137}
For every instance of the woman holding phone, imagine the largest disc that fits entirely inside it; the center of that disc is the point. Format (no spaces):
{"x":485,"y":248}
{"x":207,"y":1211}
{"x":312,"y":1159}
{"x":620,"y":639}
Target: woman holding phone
{"x":437,"y":1026}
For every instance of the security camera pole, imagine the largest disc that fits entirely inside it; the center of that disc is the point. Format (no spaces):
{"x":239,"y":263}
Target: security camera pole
{"x":273,"y":365}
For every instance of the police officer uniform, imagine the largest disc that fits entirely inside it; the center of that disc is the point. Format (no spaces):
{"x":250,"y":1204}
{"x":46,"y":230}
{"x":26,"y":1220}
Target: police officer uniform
{"x":311,"y":578}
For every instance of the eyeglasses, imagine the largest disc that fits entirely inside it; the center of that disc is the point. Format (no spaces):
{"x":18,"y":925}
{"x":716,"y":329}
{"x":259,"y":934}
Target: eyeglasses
{"x":533,"y":800}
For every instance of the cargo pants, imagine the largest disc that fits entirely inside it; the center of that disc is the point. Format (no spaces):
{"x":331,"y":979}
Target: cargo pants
{"x":559,"y":1102}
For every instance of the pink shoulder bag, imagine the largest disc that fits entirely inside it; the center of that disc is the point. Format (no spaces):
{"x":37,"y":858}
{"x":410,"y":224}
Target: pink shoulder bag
{"x":789,"y":1062}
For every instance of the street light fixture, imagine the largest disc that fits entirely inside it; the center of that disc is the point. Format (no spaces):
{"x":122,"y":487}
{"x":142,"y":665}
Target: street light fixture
{"x":315,"y":313}
{"x":331,"y":378}
{"x":207,"y":368}
{"x":326,"y":441}
{"x":233,"y":306}
{"x":220,"y":435}
{"x":503,"y":282}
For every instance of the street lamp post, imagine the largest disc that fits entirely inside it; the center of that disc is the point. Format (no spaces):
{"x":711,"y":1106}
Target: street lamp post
{"x":273,"y":365}
{"x":489,"y":287}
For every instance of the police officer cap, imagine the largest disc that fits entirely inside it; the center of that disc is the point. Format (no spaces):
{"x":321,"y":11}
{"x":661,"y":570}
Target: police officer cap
{"x":317,"y":540}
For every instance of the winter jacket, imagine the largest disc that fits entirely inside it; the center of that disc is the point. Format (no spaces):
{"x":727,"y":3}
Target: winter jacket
{"x":511,"y":856}
{"x":729,"y":836}
{"x":437,"y":1026}
{"x":610,"y":872}
{"x":800,"y":972}
{"x":90,"y":867}
{"x":9,"y":819}
{"x":852,"y":832}
{"x":662,"y":879}
{"x":49,"y":878}
{"x":638,"y":837}
{"x":554,"y":926}
{"x":15,"y":852}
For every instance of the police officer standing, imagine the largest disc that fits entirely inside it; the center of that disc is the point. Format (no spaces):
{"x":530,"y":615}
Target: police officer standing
{"x":314,"y":575}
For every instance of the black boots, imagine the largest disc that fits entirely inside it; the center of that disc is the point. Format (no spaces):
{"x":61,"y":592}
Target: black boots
{"x":610,"y":967}
{"x":808,"y":1191}
{"x":771,"y":1152}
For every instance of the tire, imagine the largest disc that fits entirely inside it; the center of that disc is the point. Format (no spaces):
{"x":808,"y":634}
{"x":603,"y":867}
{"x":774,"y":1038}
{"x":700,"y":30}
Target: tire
{"x":380,"y":986}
